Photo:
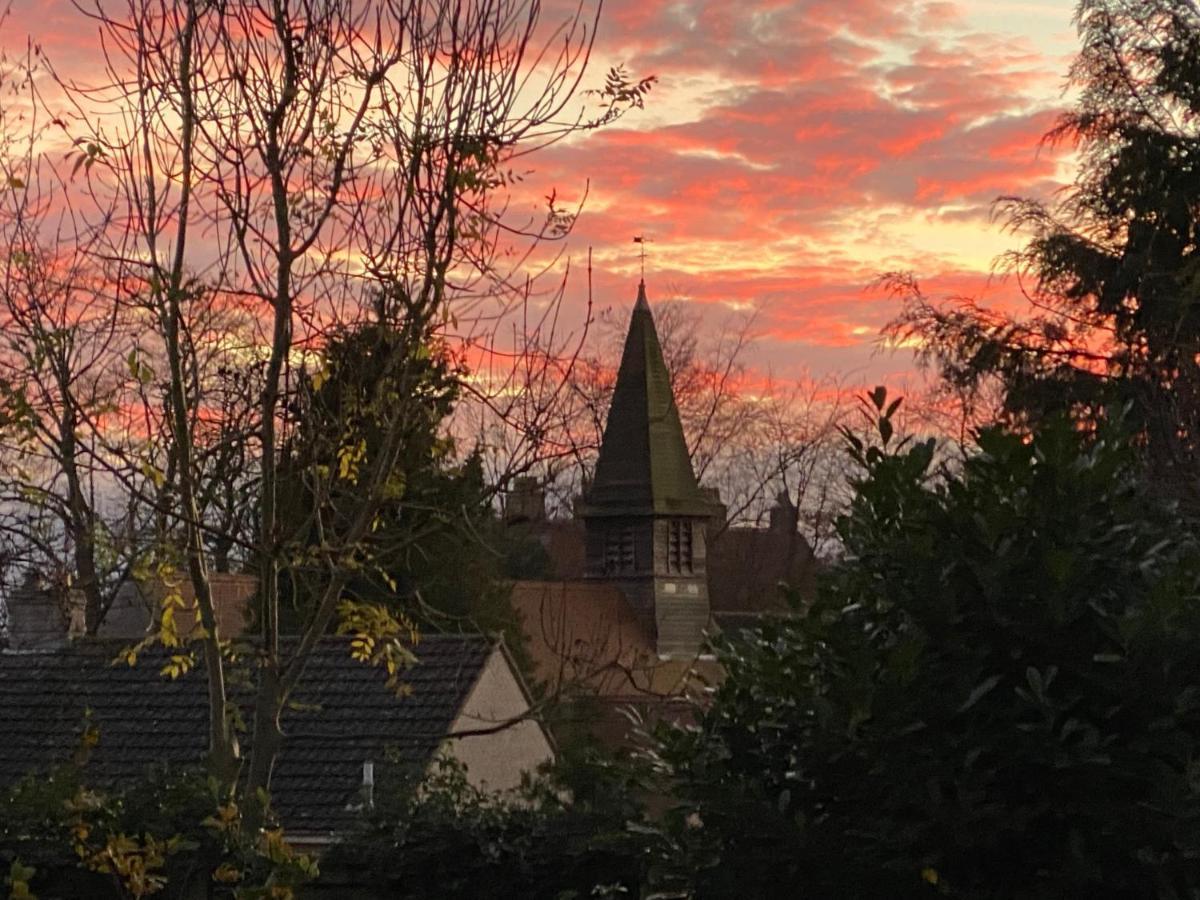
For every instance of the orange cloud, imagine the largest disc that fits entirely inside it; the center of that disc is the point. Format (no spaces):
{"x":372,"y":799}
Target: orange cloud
{"x":798,"y":149}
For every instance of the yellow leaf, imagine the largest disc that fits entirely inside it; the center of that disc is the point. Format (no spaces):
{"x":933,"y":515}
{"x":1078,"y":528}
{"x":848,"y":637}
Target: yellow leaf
{"x":349,"y":459}
{"x":18,"y":880}
{"x":227,"y":873}
{"x":154,"y":473}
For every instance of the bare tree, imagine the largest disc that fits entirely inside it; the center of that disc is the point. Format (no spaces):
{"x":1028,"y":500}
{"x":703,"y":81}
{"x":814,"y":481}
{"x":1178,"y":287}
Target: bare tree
{"x":61,"y":370}
{"x":260,"y":176}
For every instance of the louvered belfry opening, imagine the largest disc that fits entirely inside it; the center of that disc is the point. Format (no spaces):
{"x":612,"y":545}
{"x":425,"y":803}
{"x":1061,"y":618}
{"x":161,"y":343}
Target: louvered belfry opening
{"x":679,"y":547}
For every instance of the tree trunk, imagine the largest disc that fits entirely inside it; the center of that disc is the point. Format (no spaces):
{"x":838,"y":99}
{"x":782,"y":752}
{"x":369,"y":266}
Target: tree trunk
{"x":267,"y":742}
{"x":82,"y":528}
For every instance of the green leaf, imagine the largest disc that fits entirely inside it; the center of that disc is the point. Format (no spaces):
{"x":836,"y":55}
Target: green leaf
{"x":981,"y":690}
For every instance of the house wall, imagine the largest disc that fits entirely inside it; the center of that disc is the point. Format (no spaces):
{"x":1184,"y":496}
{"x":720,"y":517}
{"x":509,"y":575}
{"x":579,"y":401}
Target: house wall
{"x":495,"y":762}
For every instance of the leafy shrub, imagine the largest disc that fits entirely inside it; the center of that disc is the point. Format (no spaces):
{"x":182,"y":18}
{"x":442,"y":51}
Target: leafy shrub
{"x":995,"y":694}
{"x":444,"y":838}
{"x":170,"y":835}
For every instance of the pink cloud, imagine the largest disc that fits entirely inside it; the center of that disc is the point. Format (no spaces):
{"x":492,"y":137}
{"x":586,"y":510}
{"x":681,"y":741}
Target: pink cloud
{"x":820,"y":113}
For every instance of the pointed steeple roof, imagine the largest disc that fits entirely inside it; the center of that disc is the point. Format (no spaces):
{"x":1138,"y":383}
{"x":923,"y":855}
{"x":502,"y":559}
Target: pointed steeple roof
{"x":644,"y":467}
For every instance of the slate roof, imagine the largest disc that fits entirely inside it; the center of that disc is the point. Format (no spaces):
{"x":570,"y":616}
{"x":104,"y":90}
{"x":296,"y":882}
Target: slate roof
{"x":643,"y":467}
{"x":342,"y":714}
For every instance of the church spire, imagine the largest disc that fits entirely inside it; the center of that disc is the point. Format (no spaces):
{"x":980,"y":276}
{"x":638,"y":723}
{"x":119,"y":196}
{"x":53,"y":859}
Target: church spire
{"x":644,"y":467}
{"x":645,"y":518}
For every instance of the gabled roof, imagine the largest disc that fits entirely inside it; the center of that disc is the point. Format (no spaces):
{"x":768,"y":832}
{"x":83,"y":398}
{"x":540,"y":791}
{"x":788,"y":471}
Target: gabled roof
{"x":342,"y":715}
{"x":644,"y":467}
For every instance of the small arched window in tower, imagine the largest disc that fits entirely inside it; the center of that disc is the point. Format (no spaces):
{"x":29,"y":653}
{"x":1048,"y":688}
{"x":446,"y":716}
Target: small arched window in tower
{"x":679,"y":546}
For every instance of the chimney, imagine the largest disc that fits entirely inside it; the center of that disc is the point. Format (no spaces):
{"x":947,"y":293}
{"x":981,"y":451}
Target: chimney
{"x":784,"y":516}
{"x":526,"y":501}
{"x":42,"y":615}
{"x":718,"y":518}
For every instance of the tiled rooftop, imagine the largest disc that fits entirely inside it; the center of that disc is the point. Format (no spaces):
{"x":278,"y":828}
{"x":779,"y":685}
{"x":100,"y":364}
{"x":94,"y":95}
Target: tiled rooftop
{"x":342,"y":714}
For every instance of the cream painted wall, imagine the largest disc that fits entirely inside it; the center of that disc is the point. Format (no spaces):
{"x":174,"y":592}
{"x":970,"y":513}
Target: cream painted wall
{"x":494,"y":762}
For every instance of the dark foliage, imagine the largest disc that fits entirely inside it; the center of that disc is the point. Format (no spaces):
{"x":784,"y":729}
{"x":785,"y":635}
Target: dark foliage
{"x":170,"y":835}
{"x":1113,"y":267}
{"x":449,"y":840}
{"x":995,"y":694}
{"x":376,"y":383}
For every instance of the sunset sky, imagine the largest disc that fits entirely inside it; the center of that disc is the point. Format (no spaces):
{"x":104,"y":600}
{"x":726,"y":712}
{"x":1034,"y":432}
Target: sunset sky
{"x":791,"y":151}
{"x":795,"y":149}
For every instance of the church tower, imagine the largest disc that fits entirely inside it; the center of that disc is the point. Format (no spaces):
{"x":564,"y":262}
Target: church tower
{"x":645,"y":517}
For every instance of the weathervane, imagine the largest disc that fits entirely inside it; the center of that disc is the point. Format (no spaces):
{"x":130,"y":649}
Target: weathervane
{"x":643,"y":240}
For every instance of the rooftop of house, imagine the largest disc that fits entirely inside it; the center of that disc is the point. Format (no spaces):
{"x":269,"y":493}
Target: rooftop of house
{"x":583,"y":636}
{"x":750,"y":569}
{"x":343,"y":715}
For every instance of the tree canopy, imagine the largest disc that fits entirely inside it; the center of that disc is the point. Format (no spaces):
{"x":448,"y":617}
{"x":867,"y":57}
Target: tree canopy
{"x":244,"y":185}
{"x":1112,"y":267}
{"x":993,"y":695}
